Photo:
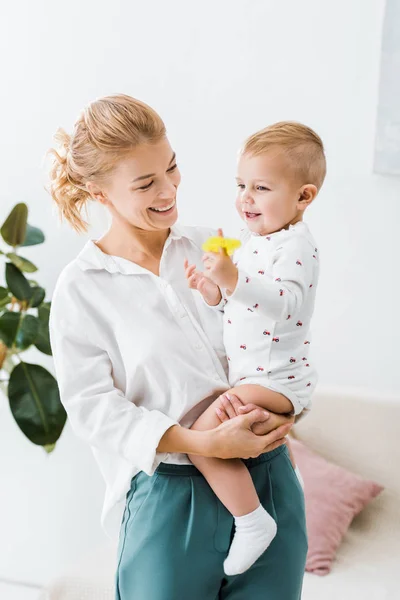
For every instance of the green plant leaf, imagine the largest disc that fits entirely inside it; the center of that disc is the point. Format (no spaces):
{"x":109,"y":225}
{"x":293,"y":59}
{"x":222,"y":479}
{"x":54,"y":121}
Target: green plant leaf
{"x":3,"y":293}
{"x":14,"y":227}
{"x":18,"y":284}
{"x":18,"y":330}
{"x":49,"y":448}
{"x":27,"y":332}
{"x":42,"y":342}
{"x":33,"y":236}
{"x":38,"y":295}
{"x":9,"y":323}
{"x":35,"y":404}
{"x":23,"y":264}
{"x":4,"y":302}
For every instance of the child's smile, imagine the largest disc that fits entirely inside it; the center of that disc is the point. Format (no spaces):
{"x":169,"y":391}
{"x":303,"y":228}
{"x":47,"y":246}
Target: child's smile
{"x":268,"y":198}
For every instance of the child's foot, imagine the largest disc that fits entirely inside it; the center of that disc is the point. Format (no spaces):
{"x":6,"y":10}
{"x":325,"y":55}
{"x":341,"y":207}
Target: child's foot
{"x":253,"y":534}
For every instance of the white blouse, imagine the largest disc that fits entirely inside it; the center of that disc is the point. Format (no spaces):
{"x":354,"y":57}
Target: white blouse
{"x":134,"y":354}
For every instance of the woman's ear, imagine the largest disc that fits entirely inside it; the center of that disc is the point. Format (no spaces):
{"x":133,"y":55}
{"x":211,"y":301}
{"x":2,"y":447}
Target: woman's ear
{"x":307,"y":194}
{"x":96,"y":193}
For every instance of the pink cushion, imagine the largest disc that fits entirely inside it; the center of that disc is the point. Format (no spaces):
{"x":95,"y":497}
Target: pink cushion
{"x":333,"y":497}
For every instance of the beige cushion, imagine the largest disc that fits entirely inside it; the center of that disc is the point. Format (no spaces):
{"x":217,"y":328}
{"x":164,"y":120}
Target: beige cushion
{"x":359,"y":431}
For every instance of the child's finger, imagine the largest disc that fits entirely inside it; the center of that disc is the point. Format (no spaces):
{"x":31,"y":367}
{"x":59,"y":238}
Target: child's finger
{"x":209,"y":257}
{"x":193,"y":281}
{"x":201,"y":284}
{"x":222,"y":250}
{"x":186,"y":263}
{"x":190,"y":270}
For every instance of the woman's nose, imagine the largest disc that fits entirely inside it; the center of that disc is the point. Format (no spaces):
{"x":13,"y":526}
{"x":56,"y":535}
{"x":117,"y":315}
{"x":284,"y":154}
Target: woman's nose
{"x":167,"y":190}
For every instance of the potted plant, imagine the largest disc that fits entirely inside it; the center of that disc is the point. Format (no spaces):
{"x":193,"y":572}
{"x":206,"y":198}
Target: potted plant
{"x":24,"y":322}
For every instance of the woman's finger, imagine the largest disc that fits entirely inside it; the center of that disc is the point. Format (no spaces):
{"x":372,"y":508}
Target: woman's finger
{"x":274,"y":445}
{"x":274,"y":435}
{"x":236,"y":403}
{"x":221,"y":414}
{"x":220,"y":233}
{"x":228,"y":406}
{"x":246,"y":408}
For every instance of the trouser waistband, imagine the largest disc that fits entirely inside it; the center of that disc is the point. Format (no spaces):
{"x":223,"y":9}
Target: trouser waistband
{"x":191,"y":471}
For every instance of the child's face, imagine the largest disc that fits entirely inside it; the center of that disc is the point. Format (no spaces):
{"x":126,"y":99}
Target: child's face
{"x":268,"y":197}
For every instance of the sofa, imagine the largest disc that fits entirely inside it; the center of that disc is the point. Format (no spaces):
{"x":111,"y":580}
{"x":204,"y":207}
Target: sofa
{"x":355,"y":429}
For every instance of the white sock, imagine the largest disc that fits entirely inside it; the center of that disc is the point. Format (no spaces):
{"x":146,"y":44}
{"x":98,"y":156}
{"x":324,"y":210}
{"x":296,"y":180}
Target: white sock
{"x":299,"y":477}
{"x":253,"y":534}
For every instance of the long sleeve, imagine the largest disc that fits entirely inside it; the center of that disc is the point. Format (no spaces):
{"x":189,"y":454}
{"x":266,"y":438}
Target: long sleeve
{"x":98,"y":411}
{"x":281,"y":295}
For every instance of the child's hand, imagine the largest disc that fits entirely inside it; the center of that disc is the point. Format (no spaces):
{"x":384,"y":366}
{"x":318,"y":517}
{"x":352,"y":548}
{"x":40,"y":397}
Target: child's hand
{"x":220,"y":268}
{"x":198,"y":281}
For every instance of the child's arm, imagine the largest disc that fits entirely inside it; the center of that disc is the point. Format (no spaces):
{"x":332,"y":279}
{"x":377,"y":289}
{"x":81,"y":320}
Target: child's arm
{"x":279,"y":297}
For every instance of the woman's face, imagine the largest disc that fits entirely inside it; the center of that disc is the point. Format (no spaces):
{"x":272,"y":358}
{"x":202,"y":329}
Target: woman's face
{"x":141,"y":191}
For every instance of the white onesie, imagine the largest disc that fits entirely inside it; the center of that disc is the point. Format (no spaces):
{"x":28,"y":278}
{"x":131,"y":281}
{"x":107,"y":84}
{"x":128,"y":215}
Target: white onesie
{"x":267,"y":318}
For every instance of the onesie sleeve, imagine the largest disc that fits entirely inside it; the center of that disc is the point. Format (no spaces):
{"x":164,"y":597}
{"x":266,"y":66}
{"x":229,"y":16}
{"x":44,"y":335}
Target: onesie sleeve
{"x":280,"y":296}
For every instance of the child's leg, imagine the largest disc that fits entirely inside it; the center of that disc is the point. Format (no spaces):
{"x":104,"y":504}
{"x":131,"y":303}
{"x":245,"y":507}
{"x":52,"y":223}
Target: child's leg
{"x":239,"y":497}
{"x":232,"y":483}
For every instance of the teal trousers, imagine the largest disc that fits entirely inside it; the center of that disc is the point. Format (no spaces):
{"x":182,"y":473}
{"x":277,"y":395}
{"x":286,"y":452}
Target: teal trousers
{"x":175,"y":535}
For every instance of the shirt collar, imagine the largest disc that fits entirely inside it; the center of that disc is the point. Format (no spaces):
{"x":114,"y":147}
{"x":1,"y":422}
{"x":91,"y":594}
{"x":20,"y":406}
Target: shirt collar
{"x":94,"y":259}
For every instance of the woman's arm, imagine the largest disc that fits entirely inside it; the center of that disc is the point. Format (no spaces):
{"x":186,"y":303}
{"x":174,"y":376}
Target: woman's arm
{"x":101,"y":414}
{"x":232,"y":439}
{"x":98,"y":411}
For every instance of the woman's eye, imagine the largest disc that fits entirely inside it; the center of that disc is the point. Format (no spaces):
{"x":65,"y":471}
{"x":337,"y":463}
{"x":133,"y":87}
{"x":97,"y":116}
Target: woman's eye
{"x":146,"y":187}
{"x":172,"y":168}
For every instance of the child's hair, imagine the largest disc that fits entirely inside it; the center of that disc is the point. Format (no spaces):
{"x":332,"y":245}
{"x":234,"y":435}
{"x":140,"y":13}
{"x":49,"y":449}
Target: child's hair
{"x":301,"y":146}
{"x":106,"y":131}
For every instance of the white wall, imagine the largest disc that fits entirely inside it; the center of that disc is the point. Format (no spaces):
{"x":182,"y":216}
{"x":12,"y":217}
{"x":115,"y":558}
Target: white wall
{"x":216,"y":71}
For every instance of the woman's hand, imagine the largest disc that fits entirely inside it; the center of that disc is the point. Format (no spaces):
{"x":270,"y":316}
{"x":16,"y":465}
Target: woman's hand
{"x":234,"y":438}
{"x":233,"y":407}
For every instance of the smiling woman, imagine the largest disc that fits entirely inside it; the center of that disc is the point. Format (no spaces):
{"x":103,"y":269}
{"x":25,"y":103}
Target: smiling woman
{"x":139,"y":357}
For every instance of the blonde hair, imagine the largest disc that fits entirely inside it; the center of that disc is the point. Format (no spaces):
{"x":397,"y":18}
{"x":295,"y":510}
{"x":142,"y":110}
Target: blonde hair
{"x":106,"y":131}
{"x":302,"y":147}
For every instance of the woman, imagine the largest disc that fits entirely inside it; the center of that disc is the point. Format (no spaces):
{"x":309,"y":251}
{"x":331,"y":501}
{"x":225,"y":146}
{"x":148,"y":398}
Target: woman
{"x":139,"y":357}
